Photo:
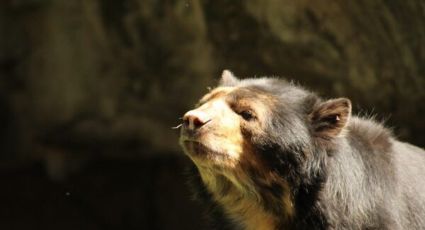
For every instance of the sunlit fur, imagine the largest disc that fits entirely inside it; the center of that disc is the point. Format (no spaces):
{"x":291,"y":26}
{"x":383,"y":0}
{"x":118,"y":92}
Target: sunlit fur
{"x":226,"y":177}
{"x":300,"y":162}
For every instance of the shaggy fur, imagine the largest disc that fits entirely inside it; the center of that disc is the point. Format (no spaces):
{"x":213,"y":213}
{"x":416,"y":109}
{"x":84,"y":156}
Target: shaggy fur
{"x":271,"y":155}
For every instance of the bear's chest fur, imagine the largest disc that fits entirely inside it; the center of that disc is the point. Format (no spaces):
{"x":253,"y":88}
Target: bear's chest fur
{"x":246,"y":212}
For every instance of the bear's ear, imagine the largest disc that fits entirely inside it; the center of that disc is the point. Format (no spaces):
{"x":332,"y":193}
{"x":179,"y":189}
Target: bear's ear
{"x":228,"y":79}
{"x":330,"y":117}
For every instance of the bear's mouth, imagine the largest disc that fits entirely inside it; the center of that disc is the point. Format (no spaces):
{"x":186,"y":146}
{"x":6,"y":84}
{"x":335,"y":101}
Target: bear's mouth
{"x":198,"y":149}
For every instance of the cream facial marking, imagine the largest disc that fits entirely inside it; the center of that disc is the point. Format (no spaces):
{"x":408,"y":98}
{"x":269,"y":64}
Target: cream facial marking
{"x":226,"y":136}
{"x":215,"y":93}
{"x":222,"y":139}
{"x":219,"y":143}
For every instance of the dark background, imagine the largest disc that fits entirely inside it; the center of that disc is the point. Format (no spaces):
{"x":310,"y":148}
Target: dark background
{"x":89,"y":91}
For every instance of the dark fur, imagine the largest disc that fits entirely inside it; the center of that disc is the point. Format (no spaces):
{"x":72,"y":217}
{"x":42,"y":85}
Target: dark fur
{"x":343,"y":172}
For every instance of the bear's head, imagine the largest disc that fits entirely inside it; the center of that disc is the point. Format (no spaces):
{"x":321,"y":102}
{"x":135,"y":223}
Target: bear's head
{"x":261,"y":137}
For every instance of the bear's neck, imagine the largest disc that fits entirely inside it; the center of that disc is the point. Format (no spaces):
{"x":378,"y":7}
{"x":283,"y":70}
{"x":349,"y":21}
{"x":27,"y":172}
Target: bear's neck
{"x":243,"y":204}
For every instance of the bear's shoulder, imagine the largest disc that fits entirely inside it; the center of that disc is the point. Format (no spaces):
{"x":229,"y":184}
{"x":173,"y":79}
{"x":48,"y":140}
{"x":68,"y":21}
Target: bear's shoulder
{"x":370,"y":132}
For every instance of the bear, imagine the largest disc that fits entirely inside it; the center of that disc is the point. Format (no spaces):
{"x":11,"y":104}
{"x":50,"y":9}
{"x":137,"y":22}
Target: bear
{"x":269,"y":154}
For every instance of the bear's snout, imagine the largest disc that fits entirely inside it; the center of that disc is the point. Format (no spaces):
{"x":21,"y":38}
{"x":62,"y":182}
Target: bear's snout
{"x":195,"y":119}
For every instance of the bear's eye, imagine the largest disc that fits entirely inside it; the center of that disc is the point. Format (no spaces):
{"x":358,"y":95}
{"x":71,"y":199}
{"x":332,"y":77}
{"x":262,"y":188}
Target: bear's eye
{"x":246,"y":115}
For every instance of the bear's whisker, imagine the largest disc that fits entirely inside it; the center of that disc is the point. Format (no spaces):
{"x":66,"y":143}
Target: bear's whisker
{"x":177,"y":127}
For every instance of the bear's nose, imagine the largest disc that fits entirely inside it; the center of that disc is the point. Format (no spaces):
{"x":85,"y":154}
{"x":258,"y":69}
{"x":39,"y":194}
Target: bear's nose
{"x":195,"y":119}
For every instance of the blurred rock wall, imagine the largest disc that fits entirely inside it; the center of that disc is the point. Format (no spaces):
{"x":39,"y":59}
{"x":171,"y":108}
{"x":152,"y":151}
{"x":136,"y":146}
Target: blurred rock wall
{"x":85,"y":80}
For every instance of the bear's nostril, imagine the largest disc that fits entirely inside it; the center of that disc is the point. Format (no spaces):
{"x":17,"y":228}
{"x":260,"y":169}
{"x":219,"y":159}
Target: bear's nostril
{"x":197,"y":122}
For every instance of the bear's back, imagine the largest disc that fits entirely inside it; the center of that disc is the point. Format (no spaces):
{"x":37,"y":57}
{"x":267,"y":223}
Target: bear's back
{"x":386,"y":175}
{"x":410,"y":171}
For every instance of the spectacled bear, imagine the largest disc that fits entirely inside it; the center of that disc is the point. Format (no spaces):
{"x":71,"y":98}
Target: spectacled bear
{"x":269,"y":154}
